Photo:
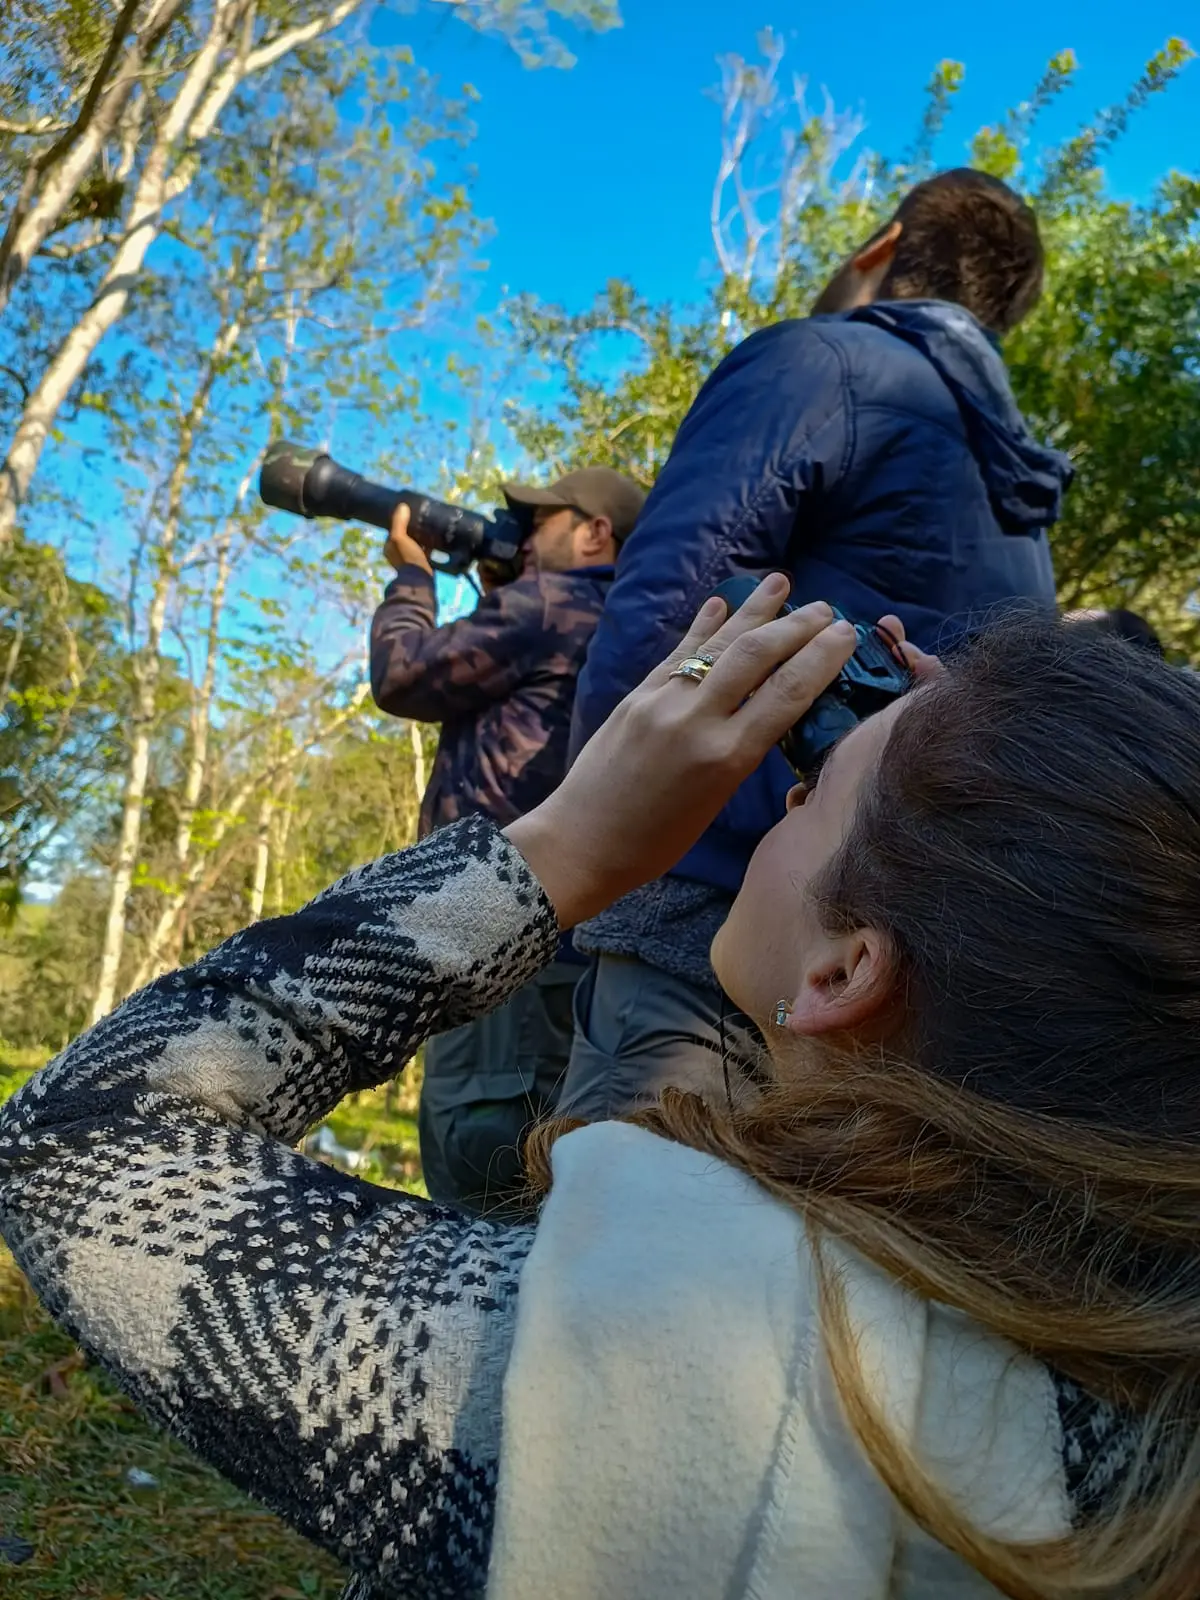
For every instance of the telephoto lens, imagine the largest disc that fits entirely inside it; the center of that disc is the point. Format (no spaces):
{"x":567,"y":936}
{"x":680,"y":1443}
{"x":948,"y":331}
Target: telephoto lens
{"x":310,"y":483}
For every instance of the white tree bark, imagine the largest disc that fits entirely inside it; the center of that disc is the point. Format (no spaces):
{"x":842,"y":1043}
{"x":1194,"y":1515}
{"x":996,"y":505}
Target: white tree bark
{"x":418,"y":749}
{"x":147,"y":669}
{"x":201,"y":715}
{"x":142,"y":722}
{"x":154,"y":188}
{"x":281,"y":826}
{"x":54,"y":179}
{"x":262,"y":855}
{"x":152,"y":963}
{"x":168,"y":172}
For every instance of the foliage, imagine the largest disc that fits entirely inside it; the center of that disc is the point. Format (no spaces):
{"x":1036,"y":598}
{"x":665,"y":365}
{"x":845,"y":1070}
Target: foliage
{"x":62,"y":681}
{"x":48,"y":961}
{"x":307,"y":219}
{"x":107,"y":124}
{"x":1110,"y":369}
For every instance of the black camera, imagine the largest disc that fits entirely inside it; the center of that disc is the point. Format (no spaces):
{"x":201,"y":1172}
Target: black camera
{"x":309,"y":483}
{"x":874,"y":676}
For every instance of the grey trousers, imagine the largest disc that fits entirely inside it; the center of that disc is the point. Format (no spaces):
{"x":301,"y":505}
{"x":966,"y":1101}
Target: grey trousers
{"x":485,"y":1084}
{"x":639,"y":1030}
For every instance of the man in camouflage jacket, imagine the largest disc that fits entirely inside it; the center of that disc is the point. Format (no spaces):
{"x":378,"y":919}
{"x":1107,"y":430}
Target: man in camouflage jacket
{"x":501,"y":682}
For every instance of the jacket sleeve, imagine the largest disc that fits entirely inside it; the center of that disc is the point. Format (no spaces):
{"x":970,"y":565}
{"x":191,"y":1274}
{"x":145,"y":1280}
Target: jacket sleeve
{"x":769,"y":431}
{"x":432,"y":674}
{"x":335,"y":1348}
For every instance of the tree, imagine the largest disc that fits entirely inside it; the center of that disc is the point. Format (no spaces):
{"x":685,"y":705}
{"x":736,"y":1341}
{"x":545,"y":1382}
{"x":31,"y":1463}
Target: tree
{"x":74,"y":92}
{"x":321,"y":239}
{"x":1107,"y":368}
{"x":1110,"y":369}
{"x":49,"y":961}
{"x":105,"y":122}
{"x":228,"y":43}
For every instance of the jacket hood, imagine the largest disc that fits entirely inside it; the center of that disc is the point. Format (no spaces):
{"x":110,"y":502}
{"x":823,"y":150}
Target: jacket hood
{"x":1025,"y":480}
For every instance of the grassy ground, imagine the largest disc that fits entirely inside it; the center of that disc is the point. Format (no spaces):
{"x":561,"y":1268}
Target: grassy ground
{"x":68,"y":1440}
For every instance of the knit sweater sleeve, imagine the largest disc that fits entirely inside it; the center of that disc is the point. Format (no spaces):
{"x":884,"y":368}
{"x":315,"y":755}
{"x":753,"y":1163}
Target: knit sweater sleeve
{"x":334,"y":1348}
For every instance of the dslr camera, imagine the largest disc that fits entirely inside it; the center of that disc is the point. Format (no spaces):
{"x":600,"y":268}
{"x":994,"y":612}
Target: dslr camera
{"x":309,"y":483}
{"x":874,"y":676}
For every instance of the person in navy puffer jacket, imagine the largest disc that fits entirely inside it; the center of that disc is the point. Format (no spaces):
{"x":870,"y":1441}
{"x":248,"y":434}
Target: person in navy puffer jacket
{"x":874,"y":451}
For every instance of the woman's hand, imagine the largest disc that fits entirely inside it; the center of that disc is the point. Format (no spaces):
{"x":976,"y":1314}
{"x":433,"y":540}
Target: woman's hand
{"x":656,"y":774}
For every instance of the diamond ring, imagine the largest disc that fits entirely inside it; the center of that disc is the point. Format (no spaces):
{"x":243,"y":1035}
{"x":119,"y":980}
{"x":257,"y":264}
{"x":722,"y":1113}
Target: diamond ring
{"x":696,"y":667}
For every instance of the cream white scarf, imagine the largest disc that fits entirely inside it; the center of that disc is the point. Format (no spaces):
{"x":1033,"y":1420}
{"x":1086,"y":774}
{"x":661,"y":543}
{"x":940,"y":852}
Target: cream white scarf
{"x":670,"y":1421}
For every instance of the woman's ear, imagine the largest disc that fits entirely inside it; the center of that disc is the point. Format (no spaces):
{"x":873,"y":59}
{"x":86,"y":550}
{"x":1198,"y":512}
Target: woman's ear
{"x":847,"y":987}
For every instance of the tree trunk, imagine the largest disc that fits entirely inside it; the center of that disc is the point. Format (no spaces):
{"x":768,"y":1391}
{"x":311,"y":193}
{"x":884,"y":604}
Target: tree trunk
{"x":201,"y":720}
{"x":145,"y":704}
{"x":262,"y":855}
{"x":146,"y":683}
{"x":155,"y":188}
{"x":153,"y":963}
{"x":282,"y":824}
{"x":419,"y":774}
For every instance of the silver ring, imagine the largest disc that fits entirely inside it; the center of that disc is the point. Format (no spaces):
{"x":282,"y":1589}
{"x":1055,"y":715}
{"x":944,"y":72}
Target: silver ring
{"x":696,"y":667}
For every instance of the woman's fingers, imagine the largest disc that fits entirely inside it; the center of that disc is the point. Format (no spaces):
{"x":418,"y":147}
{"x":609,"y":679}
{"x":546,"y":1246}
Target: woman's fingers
{"x":748,"y":661}
{"x":919,"y":663}
{"x":713,"y":629}
{"x":802,"y":675}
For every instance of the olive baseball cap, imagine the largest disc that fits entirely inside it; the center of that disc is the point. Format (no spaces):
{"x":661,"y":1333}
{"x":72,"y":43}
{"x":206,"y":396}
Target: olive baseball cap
{"x":596,"y":491}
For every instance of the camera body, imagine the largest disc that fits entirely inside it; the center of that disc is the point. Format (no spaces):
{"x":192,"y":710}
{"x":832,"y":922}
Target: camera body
{"x":310,"y":483}
{"x":870,"y":681}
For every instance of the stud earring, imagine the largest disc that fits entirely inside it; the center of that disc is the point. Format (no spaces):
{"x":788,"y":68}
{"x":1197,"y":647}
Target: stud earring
{"x":782,"y":1012}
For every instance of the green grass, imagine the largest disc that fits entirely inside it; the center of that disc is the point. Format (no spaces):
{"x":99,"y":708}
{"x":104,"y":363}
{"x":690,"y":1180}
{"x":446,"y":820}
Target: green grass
{"x":15,"y":1066}
{"x":68,"y":1438}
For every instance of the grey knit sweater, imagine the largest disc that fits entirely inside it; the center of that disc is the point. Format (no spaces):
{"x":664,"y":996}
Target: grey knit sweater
{"x":669,"y":924}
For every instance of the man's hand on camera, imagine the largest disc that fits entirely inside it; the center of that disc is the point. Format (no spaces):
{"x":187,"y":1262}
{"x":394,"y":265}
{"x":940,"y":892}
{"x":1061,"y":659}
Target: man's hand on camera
{"x":401,"y":549}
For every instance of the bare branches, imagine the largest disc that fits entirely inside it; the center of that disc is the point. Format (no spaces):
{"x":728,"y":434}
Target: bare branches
{"x":32,"y":130}
{"x":776,"y":156}
{"x":271,"y":50}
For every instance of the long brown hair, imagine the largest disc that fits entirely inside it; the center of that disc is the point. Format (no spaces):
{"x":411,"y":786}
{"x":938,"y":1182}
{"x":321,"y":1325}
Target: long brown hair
{"x":1027,"y":1148}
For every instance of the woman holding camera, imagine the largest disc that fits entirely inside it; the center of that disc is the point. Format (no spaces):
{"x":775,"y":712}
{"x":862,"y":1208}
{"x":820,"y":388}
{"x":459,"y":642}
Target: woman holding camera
{"x":922,"y":1320}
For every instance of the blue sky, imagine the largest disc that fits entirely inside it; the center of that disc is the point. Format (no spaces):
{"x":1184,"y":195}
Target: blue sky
{"x":606,"y":170}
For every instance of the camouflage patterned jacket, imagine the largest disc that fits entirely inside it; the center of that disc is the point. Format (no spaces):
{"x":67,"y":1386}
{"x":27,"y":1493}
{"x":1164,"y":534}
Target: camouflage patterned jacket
{"x":501,"y":682}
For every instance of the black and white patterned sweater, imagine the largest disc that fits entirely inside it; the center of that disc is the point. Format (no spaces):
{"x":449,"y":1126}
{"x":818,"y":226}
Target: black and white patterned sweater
{"x":337,"y":1350}
{"x":334,"y":1348}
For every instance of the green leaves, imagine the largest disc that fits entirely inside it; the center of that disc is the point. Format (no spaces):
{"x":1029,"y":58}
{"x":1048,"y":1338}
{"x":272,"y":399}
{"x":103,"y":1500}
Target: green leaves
{"x":1073,"y":172}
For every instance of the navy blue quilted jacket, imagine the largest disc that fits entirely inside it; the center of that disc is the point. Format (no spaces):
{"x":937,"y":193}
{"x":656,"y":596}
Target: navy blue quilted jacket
{"x":880,"y":458}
